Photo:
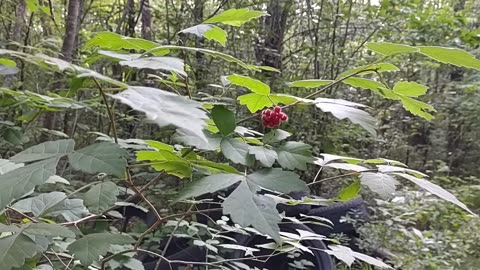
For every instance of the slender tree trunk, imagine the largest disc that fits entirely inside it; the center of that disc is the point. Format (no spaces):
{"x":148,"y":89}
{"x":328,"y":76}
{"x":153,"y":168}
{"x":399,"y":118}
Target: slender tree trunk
{"x":16,"y":36}
{"x":51,"y":120}
{"x":199,"y":42}
{"x":146,"y":20}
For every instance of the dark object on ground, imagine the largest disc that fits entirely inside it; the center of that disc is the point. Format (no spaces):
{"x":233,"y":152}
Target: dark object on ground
{"x":180,"y":250}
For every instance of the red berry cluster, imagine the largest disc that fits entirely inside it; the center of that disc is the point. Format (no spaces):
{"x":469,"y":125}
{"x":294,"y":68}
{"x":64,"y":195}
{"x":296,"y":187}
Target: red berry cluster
{"x":273,"y":117}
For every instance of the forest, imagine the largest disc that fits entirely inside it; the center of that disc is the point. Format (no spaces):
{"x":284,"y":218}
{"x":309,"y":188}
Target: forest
{"x":239,"y":134}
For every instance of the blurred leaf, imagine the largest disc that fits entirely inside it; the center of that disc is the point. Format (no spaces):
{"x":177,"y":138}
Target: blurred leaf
{"x":349,"y":192}
{"x":294,"y":155}
{"x":236,"y":17}
{"x":224,"y":119}
{"x":45,"y":150}
{"x":101,"y":197}
{"x":380,"y":183}
{"x":278,"y":180}
{"x":251,"y":84}
{"x":365,"y":83}
{"x":157,"y":62}
{"x":236,"y":151}
{"x":90,"y":247}
{"x":379,"y":67}
{"x":249,"y":209}
{"x":309,"y":83}
{"x":410,"y":89}
{"x":208,"y":31}
{"x":51,"y":230}
{"x":102,"y":157}
{"x":165,"y":108}
{"x":113,"y":41}
{"x":266,"y":156}
{"x":256,"y":102}
{"x":16,"y":183}
{"x":209,"y":184}
{"x":275,"y":135}
{"x":388,"y":49}
{"x":342,"y":109}
{"x":14,"y":249}
{"x":451,"y":56}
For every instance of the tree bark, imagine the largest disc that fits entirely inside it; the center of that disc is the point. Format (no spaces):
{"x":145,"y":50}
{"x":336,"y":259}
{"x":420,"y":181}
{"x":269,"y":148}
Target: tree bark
{"x":146,"y":20}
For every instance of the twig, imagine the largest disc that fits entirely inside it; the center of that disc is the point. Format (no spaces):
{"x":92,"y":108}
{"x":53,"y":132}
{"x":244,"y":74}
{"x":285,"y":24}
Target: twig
{"x":22,"y":214}
{"x":109,"y":110}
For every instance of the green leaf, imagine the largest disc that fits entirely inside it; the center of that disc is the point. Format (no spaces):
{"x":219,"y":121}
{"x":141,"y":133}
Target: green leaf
{"x":388,"y":49}
{"x":45,"y":150}
{"x":166,"y":108}
{"x":349,"y":192}
{"x":251,"y":84}
{"x":236,"y":17}
{"x":275,"y":135}
{"x":105,"y":157}
{"x":380,"y":67}
{"x":187,"y":138}
{"x":14,"y":136}
{"x":113,"y":41}
{"x":278,"y":180}
{"x":215,"y":167}
{"x":157,"y":63}
{"x":410,"y":89}
{"x":217,"y":34}
{"x":209,"y":184}
{"x":236,"y":151}
{"x":15,"y":249}
{"x":160,"y":145}
{"x":436,"y":190}
{"x":417,"y":107}
{"x":40,"y":204}
{"x":342,"y":109}
{"x":224,"y":119}
{"x":294,"y":155}
{"x":6,"y":166}
{"x":380,"y":183}
{"x":16,"y":183}
{"x":6,"y":70}
{"x":365,"y":83}
{"x":256,"y":102}
{"x":180,"y":169}
{"x":266,"y":156}
{"x":160,"y":155}
{"x":249,"y":209}
{"x":451,"y":56}
{"x":32,"y":5}
{"x":101,"y":197}
{"x":90,"y":247}
{"x":51,"y":230}
{"x":7,"y":62}
{"x":309,"y":83}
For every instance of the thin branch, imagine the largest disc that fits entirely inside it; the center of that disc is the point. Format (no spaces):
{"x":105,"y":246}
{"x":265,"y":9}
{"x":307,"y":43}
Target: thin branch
{"x":109,"y":110}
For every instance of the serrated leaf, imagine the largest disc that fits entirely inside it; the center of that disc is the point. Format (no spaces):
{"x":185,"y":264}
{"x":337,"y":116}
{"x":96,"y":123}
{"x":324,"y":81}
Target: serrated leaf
{"x":417,"y":107}
{"x":15,"y":249}
{"x":436,"y":190}
{"x":224,"y":119}
{"x":388,"y":49}
{"x":249,"y":209}
{"x":40,"y":204}
{"x":90,"y":247}
{"x":217,"y":34}
{"x":379,"y":67}
{"x":294,"y":155}
{"x":349,"y":192}
{"x":189,"y":138}
{"x":451,"y":56}
{"x":256,"y":102}
{"x":113,"y":41}
{"x":209,"y":184}
{"x":215,"y":167}
{"x":251,"y":84}
{"x":236,"y":17}
{"x":342,"y":109}
{"x":309,"y":83}
{"x":278,"y":180}
{"x":410,"y":89}
{"x":236,"y":151}
{"x":365,"y":83}
{"x":16,"y":183}
{"x":70,"y":209}
{"x":51,"y":230}
{"x":101,"y":197}
{"x":102,"y":157}
{"x":380,"y":183}
{"x":275,"y":135}
{"x":157,"y":62}
{"x":266,"y":156}
{"x":165,"y":108}
{"x":45,"y":150}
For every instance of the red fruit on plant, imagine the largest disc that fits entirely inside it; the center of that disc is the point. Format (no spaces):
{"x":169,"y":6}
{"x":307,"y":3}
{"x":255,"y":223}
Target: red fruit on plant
{"x":277,"y":109}
{"x":272,"y":118}
{"x":284,"y":117}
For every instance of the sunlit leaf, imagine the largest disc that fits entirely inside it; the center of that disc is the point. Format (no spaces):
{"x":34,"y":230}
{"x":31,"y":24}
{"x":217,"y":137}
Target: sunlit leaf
{"x":410,"y":89}
{"x":349,"y":192}
{"x":451,"y":56}
{"x":157,"y":62}
{"x":251,"y":84}
{"x":380,"y":183}
{"x":236,"y":17}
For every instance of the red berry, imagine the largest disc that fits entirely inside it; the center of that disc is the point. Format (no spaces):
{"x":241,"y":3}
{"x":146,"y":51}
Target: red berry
{"x":268,"y":112}
{"x":284,"y":117}
{"x":277,"y":109}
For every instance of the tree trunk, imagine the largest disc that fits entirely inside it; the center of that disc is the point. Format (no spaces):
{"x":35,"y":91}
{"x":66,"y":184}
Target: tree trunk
{"x":50,"y":120}
{"x":146,"y":20}
{"x":16,"y":36}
